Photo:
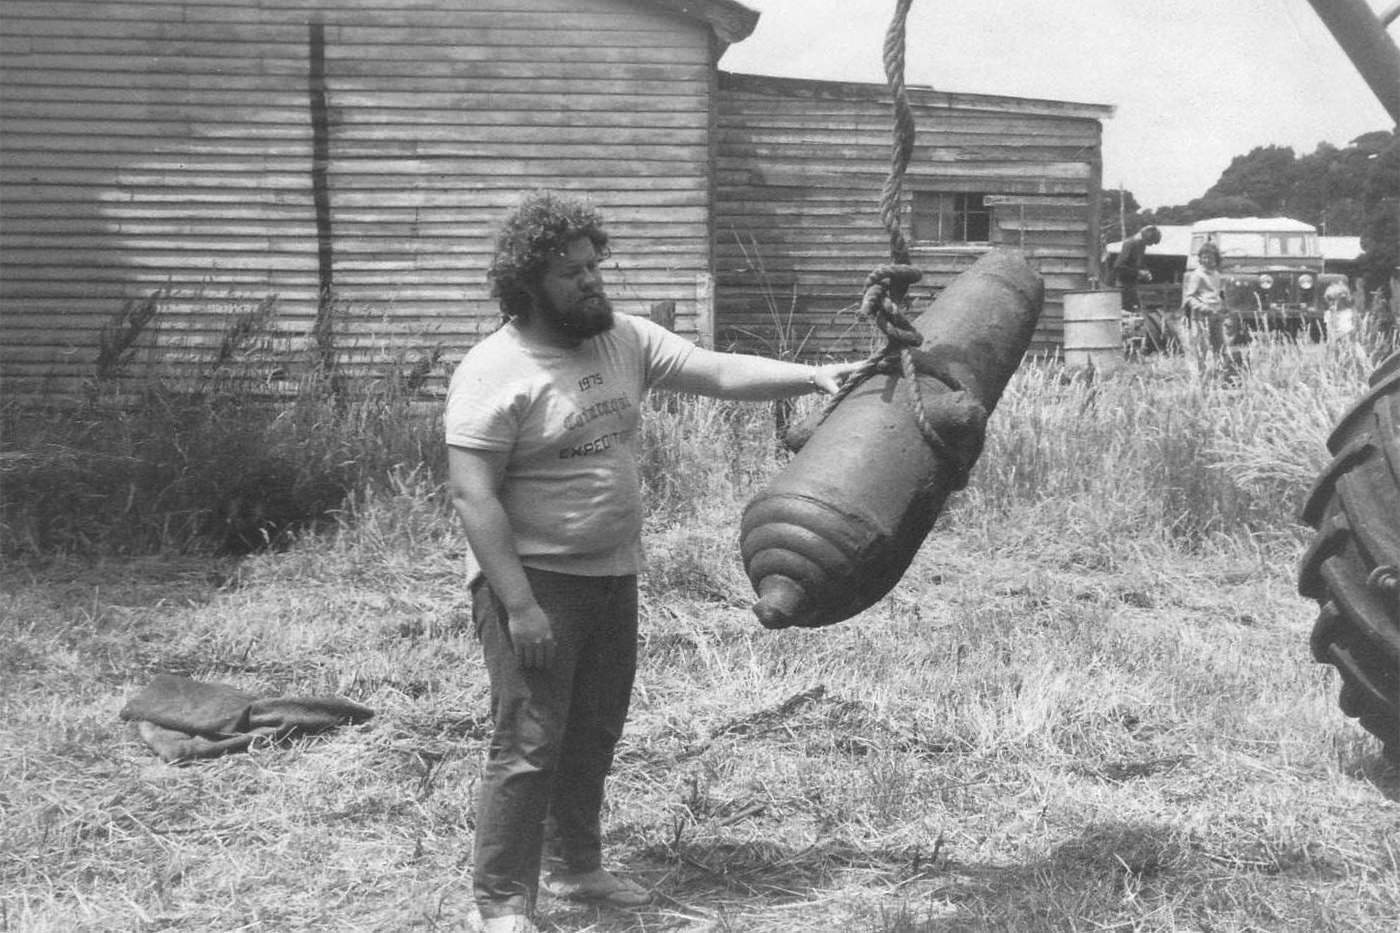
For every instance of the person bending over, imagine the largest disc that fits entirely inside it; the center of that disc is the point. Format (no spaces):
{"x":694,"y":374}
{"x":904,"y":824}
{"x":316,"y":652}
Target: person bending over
{"x":1127,"y":268}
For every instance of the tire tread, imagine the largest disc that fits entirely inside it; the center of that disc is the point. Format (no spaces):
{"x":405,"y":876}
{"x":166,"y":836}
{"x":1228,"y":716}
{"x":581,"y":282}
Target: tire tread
{"x":1354,"y":507}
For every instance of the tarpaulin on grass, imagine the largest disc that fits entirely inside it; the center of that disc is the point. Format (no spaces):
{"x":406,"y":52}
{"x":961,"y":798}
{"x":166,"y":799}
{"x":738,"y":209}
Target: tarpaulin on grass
{"x":182,"y":719}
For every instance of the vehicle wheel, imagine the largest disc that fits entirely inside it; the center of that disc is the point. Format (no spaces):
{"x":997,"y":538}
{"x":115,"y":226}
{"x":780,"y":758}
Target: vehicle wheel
{"x":1352,"y":566}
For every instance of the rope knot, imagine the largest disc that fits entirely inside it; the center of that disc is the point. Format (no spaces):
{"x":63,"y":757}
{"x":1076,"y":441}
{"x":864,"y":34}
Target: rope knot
{"x":885,"y":289}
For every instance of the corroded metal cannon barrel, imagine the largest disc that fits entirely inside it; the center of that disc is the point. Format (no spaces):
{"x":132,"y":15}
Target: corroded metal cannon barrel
{"x":837,"y":528}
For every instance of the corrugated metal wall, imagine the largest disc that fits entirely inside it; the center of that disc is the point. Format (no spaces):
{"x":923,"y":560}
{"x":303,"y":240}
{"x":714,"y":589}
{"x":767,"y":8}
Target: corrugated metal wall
{"x":800,"y":166}
{"x":168,"y":146}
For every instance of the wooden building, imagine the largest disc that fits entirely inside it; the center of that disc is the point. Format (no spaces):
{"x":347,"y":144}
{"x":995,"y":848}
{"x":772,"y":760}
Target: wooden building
{"x":800,"y":167}
{"x":286,"y":181}
{"x":217,"y":153}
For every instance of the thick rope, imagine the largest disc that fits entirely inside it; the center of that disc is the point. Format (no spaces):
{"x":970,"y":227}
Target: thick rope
{"x":903,"y":147}
{"x":884,"y":301}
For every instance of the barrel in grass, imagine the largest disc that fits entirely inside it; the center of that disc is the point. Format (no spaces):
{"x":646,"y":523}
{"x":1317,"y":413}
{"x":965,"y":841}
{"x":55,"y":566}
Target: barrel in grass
{"x":1093,"y":336}
{"x":836,"y":529}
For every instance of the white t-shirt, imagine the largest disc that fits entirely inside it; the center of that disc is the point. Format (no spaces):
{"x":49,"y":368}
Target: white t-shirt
{"x":571,"y":420}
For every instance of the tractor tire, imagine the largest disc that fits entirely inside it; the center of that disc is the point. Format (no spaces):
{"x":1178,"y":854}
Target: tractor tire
{"x":1352,"y":565}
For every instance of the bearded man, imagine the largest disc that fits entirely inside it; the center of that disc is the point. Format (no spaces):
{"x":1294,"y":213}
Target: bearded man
{"x":542,"y":424}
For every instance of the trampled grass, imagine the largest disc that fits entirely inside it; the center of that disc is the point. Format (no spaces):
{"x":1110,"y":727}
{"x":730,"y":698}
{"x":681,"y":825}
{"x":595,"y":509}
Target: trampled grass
{"x":1089,"y":705}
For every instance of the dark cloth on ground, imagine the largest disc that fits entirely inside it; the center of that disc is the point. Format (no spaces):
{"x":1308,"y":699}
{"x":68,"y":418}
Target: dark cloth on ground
{"x":182,"y":719}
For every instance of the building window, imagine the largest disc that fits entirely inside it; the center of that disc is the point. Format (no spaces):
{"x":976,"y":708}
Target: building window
{"x":945,"y":217}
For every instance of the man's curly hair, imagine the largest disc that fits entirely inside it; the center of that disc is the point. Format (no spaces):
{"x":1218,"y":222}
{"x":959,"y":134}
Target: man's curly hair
{"x":541,"y":226}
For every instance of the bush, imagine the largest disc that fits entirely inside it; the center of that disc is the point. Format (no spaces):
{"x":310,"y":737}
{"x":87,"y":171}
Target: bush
{"x":173,"y":471}
{"x":1155,"y":452}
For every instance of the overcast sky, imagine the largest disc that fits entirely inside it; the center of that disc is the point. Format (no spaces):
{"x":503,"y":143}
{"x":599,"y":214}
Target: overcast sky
{"x":1195,"y":82}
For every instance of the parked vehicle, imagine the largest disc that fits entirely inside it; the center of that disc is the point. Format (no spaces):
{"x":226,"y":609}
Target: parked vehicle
{"x":1273,"y":272}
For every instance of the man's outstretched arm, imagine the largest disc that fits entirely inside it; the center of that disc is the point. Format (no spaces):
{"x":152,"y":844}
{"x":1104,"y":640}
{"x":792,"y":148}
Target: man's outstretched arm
{"x":748,"y":378}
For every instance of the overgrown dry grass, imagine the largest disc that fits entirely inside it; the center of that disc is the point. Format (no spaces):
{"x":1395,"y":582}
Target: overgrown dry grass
{"x":1088,"y":706}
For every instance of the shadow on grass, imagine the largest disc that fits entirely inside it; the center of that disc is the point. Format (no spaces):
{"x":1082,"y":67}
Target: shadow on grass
{"x":716,"y":886}
{"x":1092,"y":878}
{"x":1111,"y":873}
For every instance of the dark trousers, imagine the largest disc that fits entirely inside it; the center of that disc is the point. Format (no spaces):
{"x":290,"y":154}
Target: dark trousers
{"x":555,"y":731}
{"x":1127,"y":280}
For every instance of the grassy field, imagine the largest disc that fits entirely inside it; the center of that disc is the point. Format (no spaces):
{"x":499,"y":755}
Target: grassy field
{"x":1089,"y":705}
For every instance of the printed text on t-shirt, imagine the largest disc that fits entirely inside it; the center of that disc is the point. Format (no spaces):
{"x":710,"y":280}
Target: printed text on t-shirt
{"x":609,"y":406}
{"x":596,"y":446}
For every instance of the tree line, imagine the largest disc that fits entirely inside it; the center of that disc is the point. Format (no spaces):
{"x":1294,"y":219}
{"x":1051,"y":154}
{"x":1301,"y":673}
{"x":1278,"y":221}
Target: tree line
{"x":1348,"y":191}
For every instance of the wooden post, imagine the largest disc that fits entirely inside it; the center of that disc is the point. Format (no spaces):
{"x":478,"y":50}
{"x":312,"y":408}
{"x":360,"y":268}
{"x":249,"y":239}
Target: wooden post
{"x":664,"y":313}
{"x":324,"y":332}
{"x":705,"y":309}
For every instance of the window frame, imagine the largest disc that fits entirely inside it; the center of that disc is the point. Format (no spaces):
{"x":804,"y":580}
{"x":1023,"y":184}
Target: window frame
{"x":957,"y":207}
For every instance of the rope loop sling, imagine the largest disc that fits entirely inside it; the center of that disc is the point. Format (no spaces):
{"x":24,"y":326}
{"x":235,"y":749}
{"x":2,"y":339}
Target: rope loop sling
{"x":885,"y":299}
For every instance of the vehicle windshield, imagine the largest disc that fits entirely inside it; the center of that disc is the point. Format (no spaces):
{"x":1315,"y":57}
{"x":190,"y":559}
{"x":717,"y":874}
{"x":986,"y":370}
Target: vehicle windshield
{"x":1292,"y":244}
{"x":1261,"y":245}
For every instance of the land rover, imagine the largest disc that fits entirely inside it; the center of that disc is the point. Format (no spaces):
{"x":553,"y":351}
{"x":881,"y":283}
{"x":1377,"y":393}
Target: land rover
{"x":1272,"y":271}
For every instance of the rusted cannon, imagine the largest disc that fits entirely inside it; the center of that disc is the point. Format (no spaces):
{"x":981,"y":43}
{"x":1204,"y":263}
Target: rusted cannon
{"x":837,"y":528}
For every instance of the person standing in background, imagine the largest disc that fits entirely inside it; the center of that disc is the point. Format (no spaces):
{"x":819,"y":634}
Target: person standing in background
{"x":1203,"y":300}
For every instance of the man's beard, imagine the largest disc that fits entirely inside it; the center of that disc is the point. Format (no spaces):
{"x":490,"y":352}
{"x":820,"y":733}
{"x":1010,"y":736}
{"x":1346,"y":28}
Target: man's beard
{"x":582,"y":319}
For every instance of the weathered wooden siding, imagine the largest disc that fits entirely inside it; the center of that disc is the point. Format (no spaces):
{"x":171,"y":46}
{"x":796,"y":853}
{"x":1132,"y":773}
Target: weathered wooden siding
{"x":800,"y":166}
{"x":168,"y":145}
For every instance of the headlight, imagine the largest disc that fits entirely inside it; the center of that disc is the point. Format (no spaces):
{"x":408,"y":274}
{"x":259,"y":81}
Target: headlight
{"x":1305,"y":281}
{"x":1266,"y":282}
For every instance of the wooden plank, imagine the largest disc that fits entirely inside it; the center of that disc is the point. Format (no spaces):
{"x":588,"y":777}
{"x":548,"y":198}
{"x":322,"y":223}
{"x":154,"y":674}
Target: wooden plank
{"x":94,"y":259}
{"x":217,"y":51}
{"x":461,"y":177}
{"x":873,"y":151}
{"x":1004,"y":144}
{"x":467,"y":162}
{"x":188,"y":226}
{"x":294,"y":10}
{"x":286,"y":112}
{"x":387,"y":25}
{"x":829,"y":172}
{"x":657,"y":191}
{"x":470,"y":88}
{"x":407,"y":93}
{"x":779,"y":116}
{"x":422,"y":137}
{"x":931,"y":129}
{"x":783,"y":186}
{"x":790,"y":89}
{"x":69,"y":76}
{"x":21,"y":66}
